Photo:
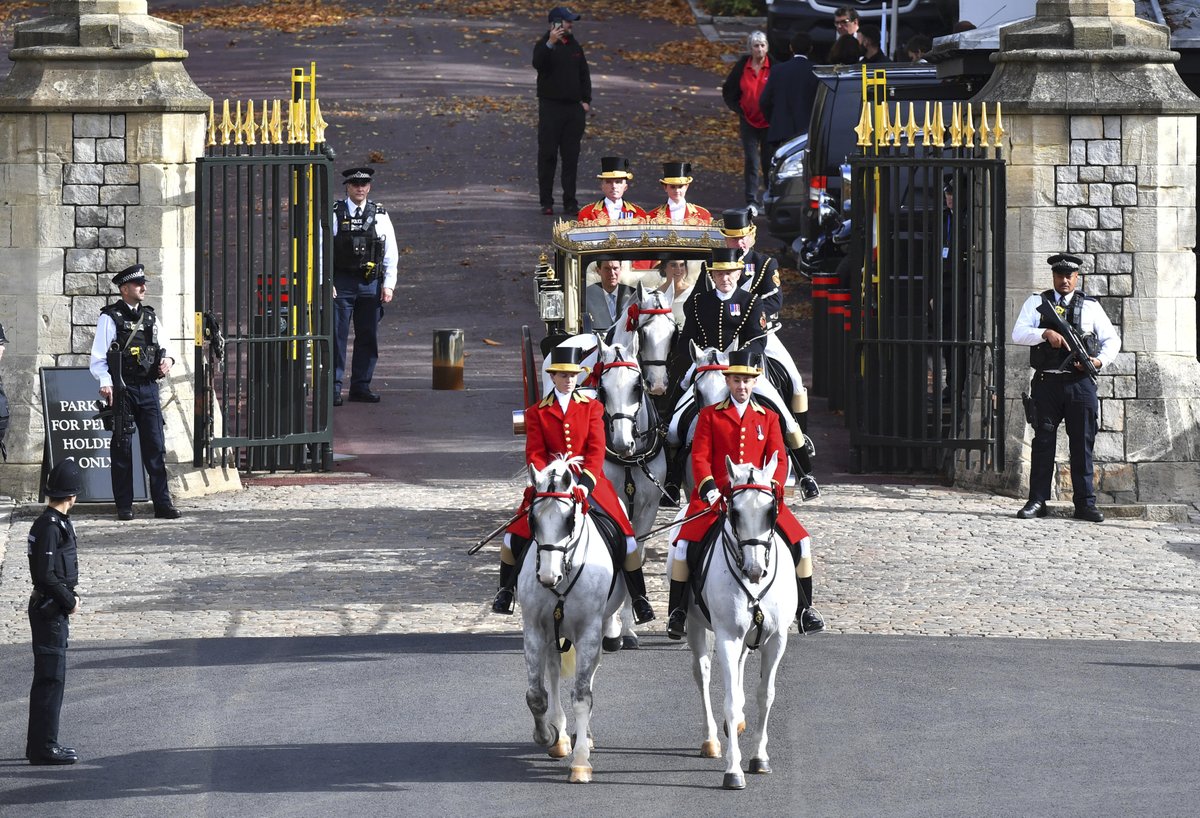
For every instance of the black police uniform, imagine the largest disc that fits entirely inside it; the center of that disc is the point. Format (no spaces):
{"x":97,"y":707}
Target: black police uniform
{"x":54,"y":568}
{"x":141,"y":354}
{"x":358,"y":271}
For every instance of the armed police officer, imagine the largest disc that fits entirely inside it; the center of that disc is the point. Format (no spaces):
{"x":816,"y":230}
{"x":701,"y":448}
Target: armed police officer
{"x":364,"y":279}
{"x":127,"y":332}
{"x":1063,"y":388}
{"x":54,"y":568}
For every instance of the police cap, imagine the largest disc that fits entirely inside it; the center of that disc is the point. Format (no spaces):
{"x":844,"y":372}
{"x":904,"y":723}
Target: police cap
{"x":131,"y":275}
{"x":357,"y":175}
{"x":1064,"y":264}
{"x":65,"y":480}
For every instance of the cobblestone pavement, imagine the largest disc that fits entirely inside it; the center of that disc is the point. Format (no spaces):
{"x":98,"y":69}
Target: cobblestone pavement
{"x":374,"y":557}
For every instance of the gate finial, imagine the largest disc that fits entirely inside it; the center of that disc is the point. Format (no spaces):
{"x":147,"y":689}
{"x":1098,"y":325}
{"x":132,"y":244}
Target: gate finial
{"x":969,"y":126}
{"x":984,"y":131}
{"x":212,"y":124}
{"x":864,"y":129}
{"x":939,"y":128}
{"x":927,"y":132}
{"x":226,"y":126}
{"x":910,"y":130}
{"x":249,"y":124}
{"x":955,"y":126}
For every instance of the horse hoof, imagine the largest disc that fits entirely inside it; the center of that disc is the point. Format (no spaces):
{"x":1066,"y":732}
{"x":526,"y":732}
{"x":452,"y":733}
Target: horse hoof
{"x":760,"y":766}
{"x":612,"y":644}
{"x":629,"y":642}
{"x":560,"y":748}
{"x":710,"y":749}
{"x":581,"y":775}
{"x":734,"y":781}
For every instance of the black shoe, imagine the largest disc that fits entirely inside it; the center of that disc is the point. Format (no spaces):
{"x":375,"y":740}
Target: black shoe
{"x":811,"y":621}
{"x":503,"y":603}
{"x":167,"y":513}
{"x":53,"y":755}
{"x":124,"y":514}
{"x":642,"y":612}
{"x":337,"y":398}
{"x":571,"y":209}
{"x":677,"y":624}
{"x":808,"y":488}
{"x":365,"y":396}
{"x":670,"y":498}
{"x":547,"y":211}
{"x":1089,"y":513}
{"x":1034,"y":508}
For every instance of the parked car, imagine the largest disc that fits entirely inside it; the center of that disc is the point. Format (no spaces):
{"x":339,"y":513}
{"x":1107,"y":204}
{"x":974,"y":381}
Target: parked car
{"x":807,"y":172}
{"x":786,"y":17}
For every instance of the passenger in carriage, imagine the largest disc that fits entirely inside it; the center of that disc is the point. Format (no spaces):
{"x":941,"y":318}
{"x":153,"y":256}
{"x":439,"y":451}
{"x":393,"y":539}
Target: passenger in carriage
{"x":570,"y":424}
{"x":607,"y":298}
{"x":676,"y":178}
{"x":679,"y":282}
{"x":761,"y":277}
{"x":740,"y":428}
{"x":614,"y":177}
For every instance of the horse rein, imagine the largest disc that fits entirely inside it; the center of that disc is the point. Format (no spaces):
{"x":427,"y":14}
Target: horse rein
{"x":568,"y":551}
{"x":730,"y":547}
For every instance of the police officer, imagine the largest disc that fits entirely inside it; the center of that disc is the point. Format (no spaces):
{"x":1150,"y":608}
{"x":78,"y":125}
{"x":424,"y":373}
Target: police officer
{"x":54,"y":568}
{"x":4,"y":416}
{"x":567,"y":423}
{"x":761,"y":277}
{"x":740,"y":428}
{"x":1061,"y":391}
{"x":130,"y":327}
{"x":364,"y":278}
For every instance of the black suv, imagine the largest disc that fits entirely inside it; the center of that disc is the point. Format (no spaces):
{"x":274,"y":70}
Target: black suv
{"x":932,"y":18}
{"x":807,"y":169}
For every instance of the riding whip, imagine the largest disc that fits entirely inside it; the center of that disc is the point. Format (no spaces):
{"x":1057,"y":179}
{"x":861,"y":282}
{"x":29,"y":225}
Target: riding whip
{"x":475,"y":548}
{"x":673,"y":523}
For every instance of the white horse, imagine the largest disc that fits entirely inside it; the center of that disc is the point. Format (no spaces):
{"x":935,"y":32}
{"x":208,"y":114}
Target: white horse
{"x":567,"y":590}
{"x":703,"y":385}
{"x":649,"y":323}
{"x":635,"y":461}
{"x":750,"y":592}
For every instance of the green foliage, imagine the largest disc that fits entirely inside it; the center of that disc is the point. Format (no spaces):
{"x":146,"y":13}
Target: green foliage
{"x":735,"y":8}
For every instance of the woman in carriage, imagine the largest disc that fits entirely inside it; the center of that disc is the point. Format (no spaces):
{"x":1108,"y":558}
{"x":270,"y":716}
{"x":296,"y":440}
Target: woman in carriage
{"x":570,"y":425}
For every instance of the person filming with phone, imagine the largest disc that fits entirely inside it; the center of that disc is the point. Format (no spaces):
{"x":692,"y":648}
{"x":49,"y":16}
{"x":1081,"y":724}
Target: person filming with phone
{"x":564,"y":90}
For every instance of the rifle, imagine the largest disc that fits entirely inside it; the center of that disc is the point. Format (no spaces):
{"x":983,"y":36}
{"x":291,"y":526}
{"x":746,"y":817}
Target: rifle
{"x":1055,"y":322}
{"x":122,"y":422}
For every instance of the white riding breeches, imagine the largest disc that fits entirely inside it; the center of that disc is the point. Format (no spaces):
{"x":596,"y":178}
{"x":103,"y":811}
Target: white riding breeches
{"x":776,"y":351}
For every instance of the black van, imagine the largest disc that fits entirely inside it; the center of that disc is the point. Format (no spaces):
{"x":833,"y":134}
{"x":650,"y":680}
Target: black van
{"x":809,"y":167}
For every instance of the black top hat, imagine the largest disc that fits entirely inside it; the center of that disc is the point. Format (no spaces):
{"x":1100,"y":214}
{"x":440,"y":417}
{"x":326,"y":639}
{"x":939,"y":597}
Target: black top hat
{"x":131,"y":275}
{"x":736,"y":223}
{"x":65,"y":480}
{"x":357,"y":175}
{"x":565,"y":359}
{"x":744,"y":362}
{"x":614,"y":167}
{"x":562,"y":13}
{"x":677,"y":173}
{"x":1064,"y":264}
{"x":726,"y":258}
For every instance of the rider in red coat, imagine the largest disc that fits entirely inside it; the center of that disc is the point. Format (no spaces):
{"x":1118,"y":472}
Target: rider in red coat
{"x":614,"y":177}
{"x":741,"y":429}
{"x":676,"y":178}
{"x":568,"y":424}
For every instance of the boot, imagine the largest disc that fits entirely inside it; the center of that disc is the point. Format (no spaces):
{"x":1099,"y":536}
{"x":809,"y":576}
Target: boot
{"x":802,"y":460}
{"x":503,"y":603}
{"x":675,"y":467}
{"x":678,"y":607}
{"x":809,"y":620}
{"x":635,"y":584}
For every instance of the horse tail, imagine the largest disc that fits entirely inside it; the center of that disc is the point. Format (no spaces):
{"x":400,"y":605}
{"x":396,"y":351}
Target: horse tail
{"x":566,"y":660}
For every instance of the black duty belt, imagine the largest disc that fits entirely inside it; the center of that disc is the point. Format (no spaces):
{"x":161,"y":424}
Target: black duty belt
{"x":1060,"y":377}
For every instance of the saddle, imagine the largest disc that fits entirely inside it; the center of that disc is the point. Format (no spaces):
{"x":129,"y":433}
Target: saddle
{"x":696,"y":557}
{"x":611,"y":534}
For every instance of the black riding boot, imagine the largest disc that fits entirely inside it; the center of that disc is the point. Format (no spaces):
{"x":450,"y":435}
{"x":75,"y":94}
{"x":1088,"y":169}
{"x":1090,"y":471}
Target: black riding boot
{"x":503,"y":603}
{"x":802,"y":460}
{"x":635,"y":584}
{"x":810,"y":620}
{"x":676,"y":463}
{"x":677,"y":608}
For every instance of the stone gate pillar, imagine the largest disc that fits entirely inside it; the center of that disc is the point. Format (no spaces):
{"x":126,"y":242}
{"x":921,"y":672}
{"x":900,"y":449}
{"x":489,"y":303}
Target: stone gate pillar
{"x":1101,"y":146}
{"x":100,"y":126}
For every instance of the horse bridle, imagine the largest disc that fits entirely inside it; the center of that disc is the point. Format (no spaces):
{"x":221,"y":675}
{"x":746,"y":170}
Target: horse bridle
{"x":633,"y":323}
{"x":774,"y":515}
{"x":569,"y":543}
{"x":730,"y":549}
{"x":653,"y":432}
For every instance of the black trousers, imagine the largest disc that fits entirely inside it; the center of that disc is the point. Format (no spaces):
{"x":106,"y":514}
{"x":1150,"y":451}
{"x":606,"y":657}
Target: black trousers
{"x":357,"y":302}
{"x":49,"y":680}
{"x":147,"y":414}
{"x":1073,"y":400}
{"x":560,"y":130}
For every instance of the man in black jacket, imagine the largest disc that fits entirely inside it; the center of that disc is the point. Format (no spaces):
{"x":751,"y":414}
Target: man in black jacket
{"x":787,"y":99}
{"x":564,"y":89}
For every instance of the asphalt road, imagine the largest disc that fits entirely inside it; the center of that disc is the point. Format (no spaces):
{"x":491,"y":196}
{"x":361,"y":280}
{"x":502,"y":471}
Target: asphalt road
{"x":436,"y":725}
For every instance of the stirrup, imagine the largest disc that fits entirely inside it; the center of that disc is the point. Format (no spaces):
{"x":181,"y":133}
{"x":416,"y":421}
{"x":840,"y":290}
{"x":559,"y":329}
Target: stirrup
{"x":642,"y":612}
{"x":503,"y":603}
{"x":677,"y":624}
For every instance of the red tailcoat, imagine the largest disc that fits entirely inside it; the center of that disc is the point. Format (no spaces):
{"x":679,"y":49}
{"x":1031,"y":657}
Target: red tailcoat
{"x":548,"y":433}
{"x":748,"y":439}
{"x":663,"y":213}
{"x":596,"y":212}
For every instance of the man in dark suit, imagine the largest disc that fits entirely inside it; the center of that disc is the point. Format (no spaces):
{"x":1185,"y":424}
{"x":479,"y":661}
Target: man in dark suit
{"x":607,"y":299}
{"x":787,"y":99}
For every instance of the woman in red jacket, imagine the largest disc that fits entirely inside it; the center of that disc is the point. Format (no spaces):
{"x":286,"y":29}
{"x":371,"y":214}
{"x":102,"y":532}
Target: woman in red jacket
{"x":741,"y":91}
{"x":568,"y":424}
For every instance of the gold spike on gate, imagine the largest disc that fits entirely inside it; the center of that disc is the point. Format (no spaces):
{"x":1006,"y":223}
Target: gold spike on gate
{"x":969,"y":126}
{"x":226,"y":126}
{"x":264,"y":129}
{"x":276,"y":123}
{"x":910,"y":130}
{"x":237,"y":125}
{"x":939,"y":126}
{"x":250,"y":125}
{"x":212,"y":124}
{"x":864,"y":129}
{"x":955,"y":126}
{"x":998,"y":130}
{"x":318,"y":123}
{"x":927,"y":135}
{"x":984,"y":133}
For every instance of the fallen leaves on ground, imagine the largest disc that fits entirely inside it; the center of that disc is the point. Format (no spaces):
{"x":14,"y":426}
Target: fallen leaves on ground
{"x":492,"y":343}
{"x":670,"y":11}
{"x":289,"y":16}
{"x":697,"y":52}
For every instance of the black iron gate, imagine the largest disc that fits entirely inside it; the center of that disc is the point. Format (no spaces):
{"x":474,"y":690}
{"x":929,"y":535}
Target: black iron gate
{"x":926,"y":329}
{"x":264,"y":354}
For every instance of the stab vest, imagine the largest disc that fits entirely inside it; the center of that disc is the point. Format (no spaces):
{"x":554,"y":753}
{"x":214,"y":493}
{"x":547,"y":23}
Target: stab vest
{"x":66,"y":558}
{"x":1046,"y":358}
{"x":357,"y":244}
{"x":140,"y":354}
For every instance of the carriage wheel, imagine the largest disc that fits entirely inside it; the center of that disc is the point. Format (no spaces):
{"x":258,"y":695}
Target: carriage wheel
{"x":529,"y":380}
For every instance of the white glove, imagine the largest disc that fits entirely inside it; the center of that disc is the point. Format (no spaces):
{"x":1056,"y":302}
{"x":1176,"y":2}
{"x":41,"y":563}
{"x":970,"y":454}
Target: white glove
{"x":712,"y":497}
